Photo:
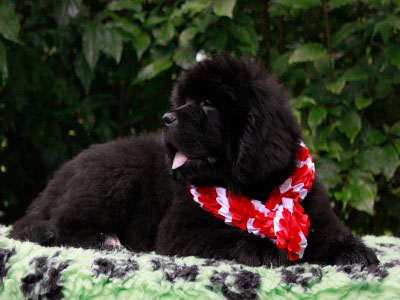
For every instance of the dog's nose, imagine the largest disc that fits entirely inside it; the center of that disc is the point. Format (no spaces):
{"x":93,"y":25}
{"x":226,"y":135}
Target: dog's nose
{"x":169,"y":118}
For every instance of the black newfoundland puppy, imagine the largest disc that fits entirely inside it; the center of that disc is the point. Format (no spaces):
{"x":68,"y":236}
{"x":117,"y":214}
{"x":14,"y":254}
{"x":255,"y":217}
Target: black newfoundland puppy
{"x":230,"y":126}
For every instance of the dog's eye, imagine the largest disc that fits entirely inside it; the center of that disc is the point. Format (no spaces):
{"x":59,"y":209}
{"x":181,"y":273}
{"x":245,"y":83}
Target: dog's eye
{"x":206,"y":105}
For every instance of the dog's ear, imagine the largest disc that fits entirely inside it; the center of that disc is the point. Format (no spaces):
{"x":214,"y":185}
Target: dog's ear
{"x":268,"y":138}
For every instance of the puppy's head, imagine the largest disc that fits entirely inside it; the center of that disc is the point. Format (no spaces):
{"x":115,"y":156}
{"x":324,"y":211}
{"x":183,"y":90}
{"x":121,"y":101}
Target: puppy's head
{"x":230,"y":124}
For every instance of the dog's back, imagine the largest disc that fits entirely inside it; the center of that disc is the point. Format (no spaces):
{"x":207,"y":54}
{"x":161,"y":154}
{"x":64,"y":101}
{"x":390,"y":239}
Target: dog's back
{"x":100,"y":192}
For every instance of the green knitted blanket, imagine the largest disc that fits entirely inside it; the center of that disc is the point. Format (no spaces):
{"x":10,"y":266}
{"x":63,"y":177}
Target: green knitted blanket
{"x":29,"y":271}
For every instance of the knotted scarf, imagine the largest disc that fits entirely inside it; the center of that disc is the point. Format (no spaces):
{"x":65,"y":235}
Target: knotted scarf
{"x":279,"y":218}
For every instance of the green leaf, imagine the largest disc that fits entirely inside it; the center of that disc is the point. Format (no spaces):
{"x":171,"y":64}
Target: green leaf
{"x":241,"y":34}
{"x":335,"y":150}
{"x":83,"y":71}
{"x":216,"y":39}
{"x":362,"y":103}
{"x":204,"y":21}
{"x":9,"y":23}
{"x":396,"y":2}
{"x":371,"y":160}
{"x":391,"y":161}
{"x":185,"y":57}
{"x":328,"y":171}
{"x":297,"y":114}
{"x":3,"y":59}
{"x":113,"y":44}
{"x":194,"y":7}
{"x":66,"y":10}
{"x":335,"y":111}
{"x":379,"y":160}
{"x":343,"y":195}
{"x":247,"y":44}
{"x":281,"y":64}
{"x":322,"y":65}
{"x":397,"y":145}
{"x":187,"y":35}
{"x":92,"y":42}
{"x":140,"y":40}
{"x":394,"y":21}
{"x":350,"y":125}
{"x":344,"y":32}
{"x":307,"y":52}
{"x":357,"y":73}
{"x":396,"y":129}
{"x":296,"y":4}
{"x":153,"y":69}
{"x":360,"y":192}
{"x":339,"y":3}
{"x":117,"y":5}
{"x":363,"y":191}
{"x":164,"y":34}
{"x":224,"y":7}
{"x":393,"y":55}
{"x":315,"y":117}
{"x":384,"y":29}
{"x":336,"y":86}
{"x":152,"y":21}
{"x":303,"y":101}
{"x":376,"y":137}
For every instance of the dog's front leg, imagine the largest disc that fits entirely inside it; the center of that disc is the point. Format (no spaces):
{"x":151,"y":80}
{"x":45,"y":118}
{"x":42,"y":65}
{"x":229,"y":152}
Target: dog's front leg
{"x":329,"y":242}
{"x":186,"y":232}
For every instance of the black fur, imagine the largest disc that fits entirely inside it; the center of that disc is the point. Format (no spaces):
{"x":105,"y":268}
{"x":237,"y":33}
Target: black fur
{"x":235,"y":125}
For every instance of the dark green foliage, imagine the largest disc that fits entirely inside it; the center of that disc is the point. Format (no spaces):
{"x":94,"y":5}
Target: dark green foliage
{"x":77,"y":72}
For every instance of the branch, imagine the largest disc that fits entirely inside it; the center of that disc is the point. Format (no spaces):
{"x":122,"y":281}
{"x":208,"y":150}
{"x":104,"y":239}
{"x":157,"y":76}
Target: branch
{"x":325,"y":9}
{"x":267,"y":30}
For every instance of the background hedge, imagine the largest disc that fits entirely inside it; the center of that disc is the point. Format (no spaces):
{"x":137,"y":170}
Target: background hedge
{"x":77,"y":72}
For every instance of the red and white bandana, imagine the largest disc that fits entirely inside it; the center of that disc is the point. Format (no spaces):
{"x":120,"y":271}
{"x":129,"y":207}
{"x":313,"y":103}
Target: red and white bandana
{"x":280,"y":218}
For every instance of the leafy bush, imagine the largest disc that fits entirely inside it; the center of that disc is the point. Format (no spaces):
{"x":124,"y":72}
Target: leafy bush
{"x":78,"y":72}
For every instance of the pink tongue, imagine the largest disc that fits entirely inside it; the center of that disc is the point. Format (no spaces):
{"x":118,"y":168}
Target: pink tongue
{"x":179,"y":160}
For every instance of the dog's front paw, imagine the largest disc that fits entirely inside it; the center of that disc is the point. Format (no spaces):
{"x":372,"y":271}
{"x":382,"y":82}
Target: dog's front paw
{"x":111,"y":242}
{"x":276,"y":258}
{"x":255,"y":251}
{"x":41,"y":232}
{"x":351,"y":250}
